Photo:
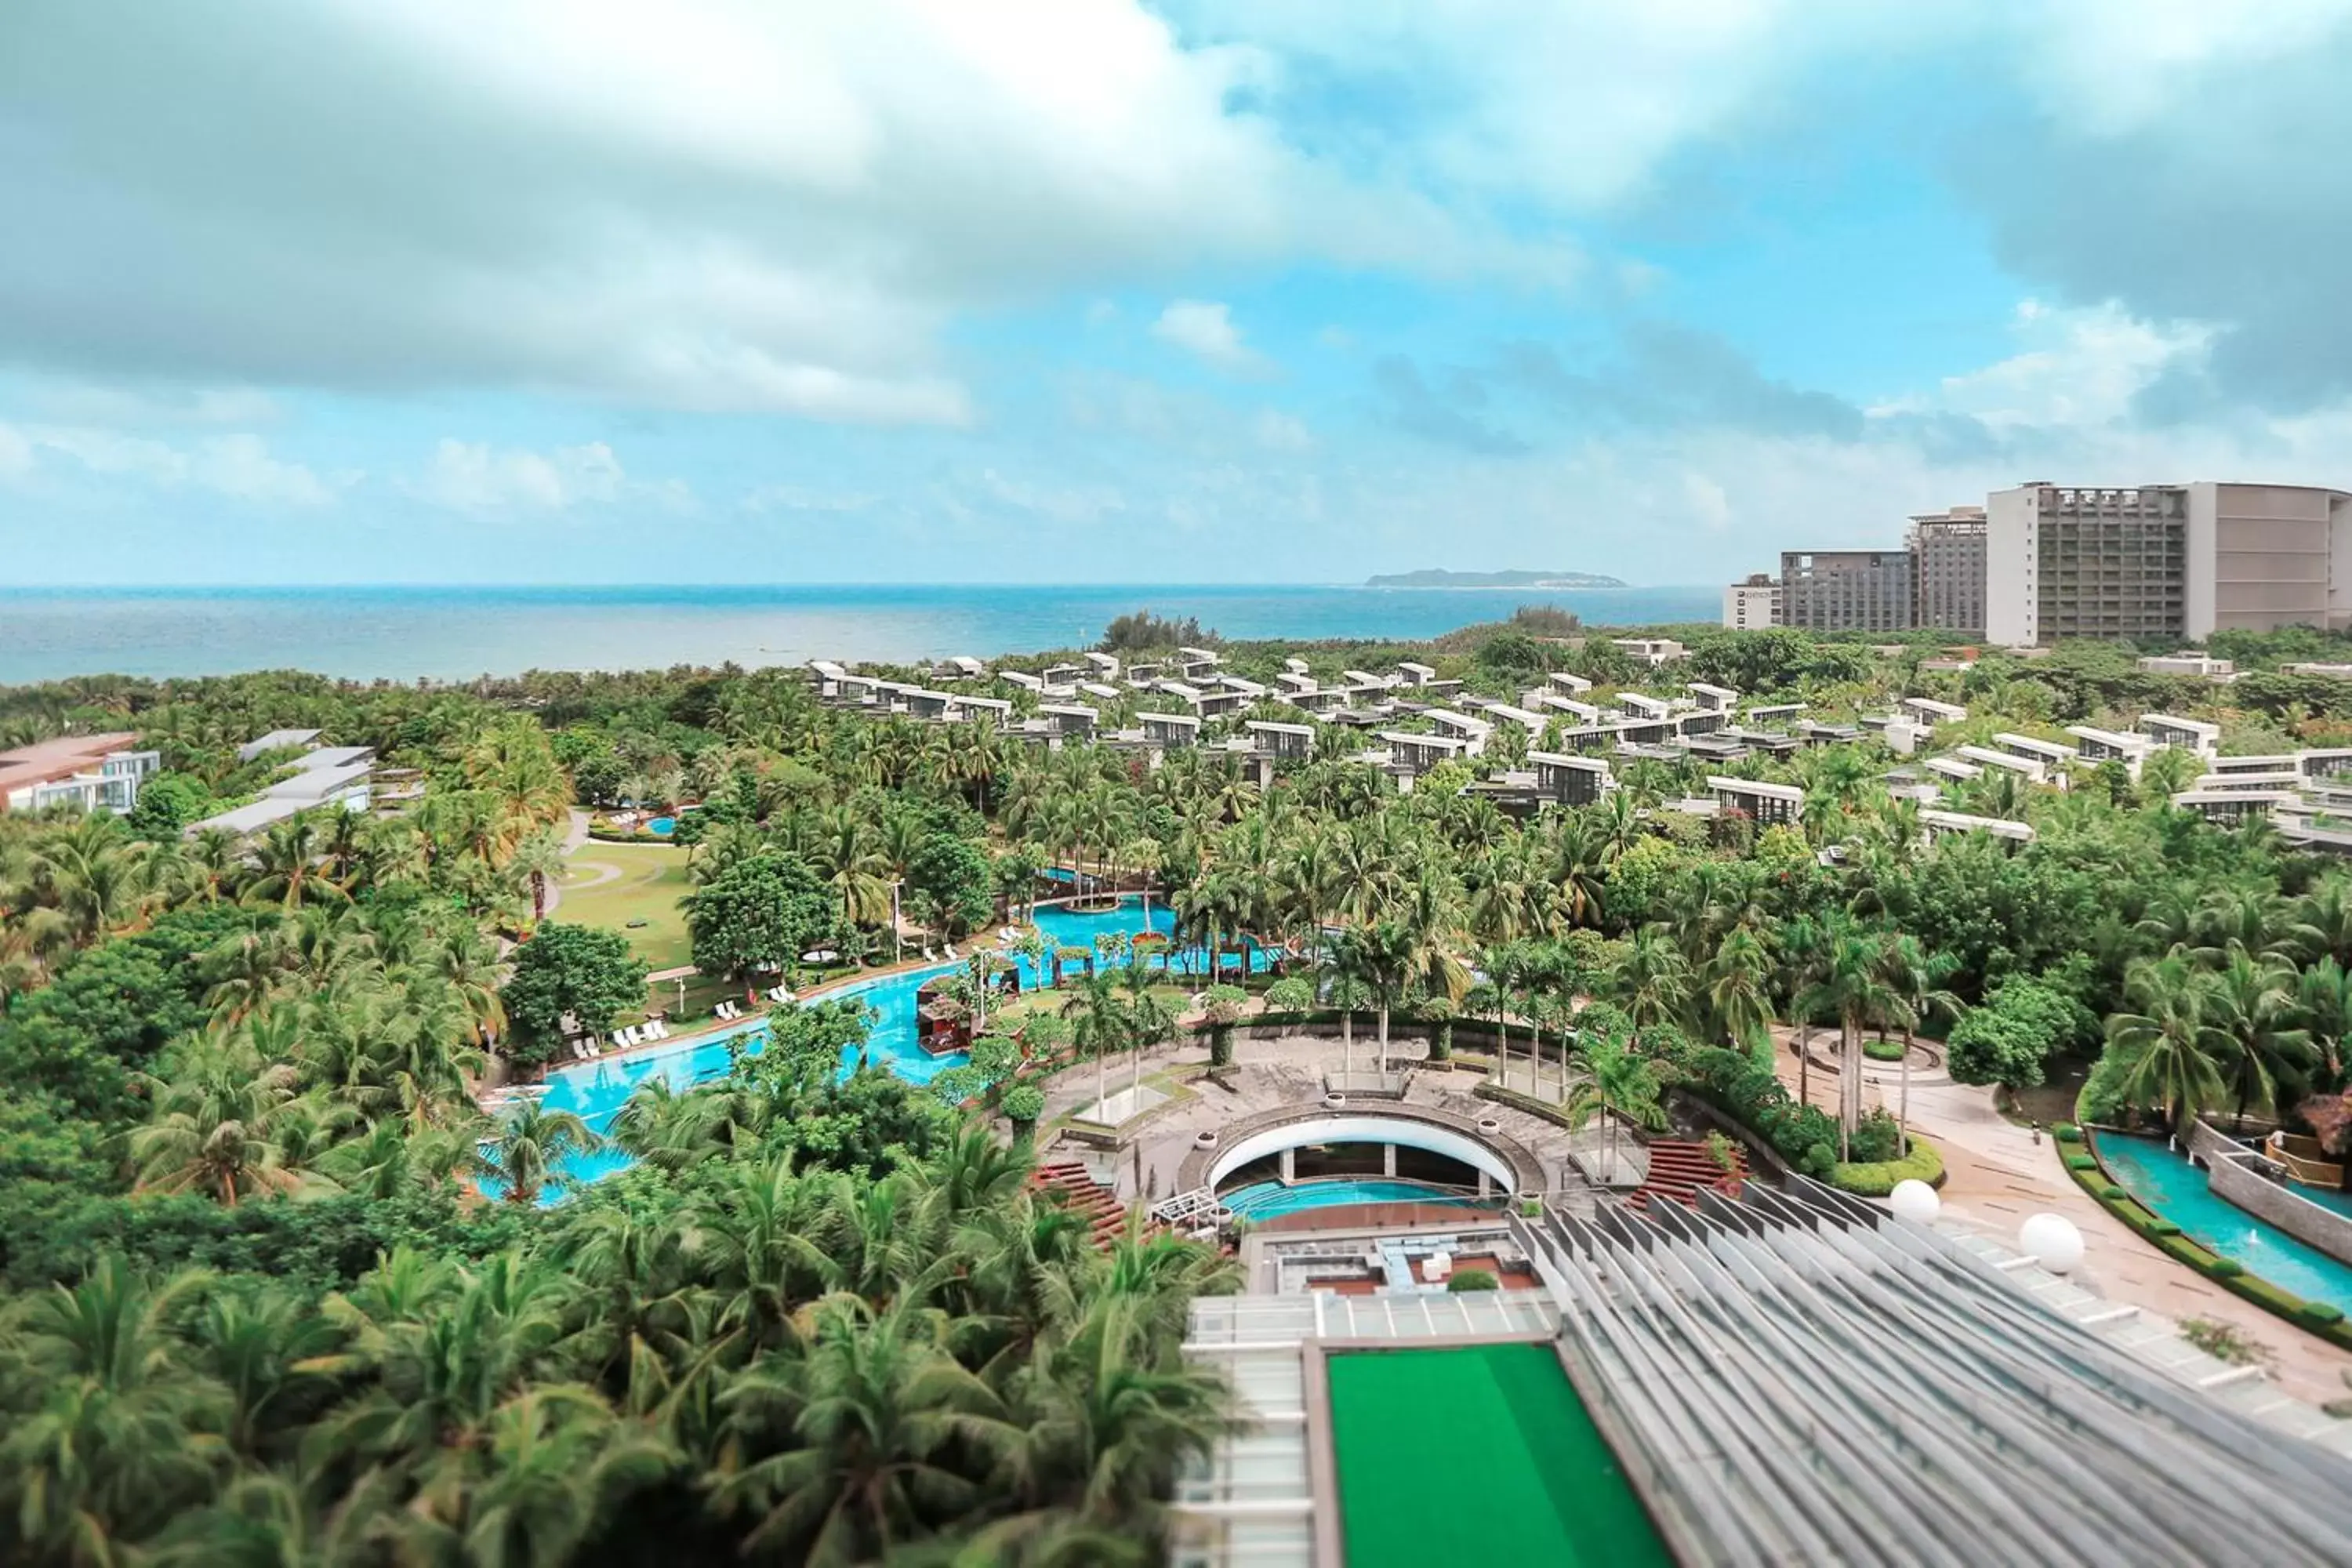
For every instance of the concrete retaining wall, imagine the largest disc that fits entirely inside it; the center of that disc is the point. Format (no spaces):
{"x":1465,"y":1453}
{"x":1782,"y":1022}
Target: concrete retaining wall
{"x":2236,"y":1177}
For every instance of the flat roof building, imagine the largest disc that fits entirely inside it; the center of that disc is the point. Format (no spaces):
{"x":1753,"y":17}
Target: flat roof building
{"x":89,"y":773}
{"x":2165,"y":560}
{"x":1946,"y":553}
{"x":1846,"y":590}
{"x":1766,"y":802}
{"x":1753,"y":604}
{"x":2192,"y":734}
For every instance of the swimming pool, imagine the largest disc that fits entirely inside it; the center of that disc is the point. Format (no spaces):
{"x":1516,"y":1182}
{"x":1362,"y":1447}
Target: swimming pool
{"x":595,"y":1091}
{"x":1264,"y":1200}
{"x":2167,"y":1183}
{"x":662,"y":827}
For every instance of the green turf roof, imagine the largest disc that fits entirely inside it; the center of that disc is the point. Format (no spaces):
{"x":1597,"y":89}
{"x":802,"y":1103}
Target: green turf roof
{"x":1477,"y":1454}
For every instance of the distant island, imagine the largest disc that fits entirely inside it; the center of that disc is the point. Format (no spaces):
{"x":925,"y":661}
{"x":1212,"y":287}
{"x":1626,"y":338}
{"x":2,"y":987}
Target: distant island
{"x":1436,"y":577}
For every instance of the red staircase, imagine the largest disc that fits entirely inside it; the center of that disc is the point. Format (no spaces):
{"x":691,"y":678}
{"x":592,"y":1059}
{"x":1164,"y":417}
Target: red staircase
{"x":1680,"y":1171}
{"x":1068,"y":1184}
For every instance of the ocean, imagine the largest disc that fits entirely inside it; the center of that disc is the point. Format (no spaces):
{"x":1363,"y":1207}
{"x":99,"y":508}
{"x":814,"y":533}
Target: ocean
{"x":456,"y":634}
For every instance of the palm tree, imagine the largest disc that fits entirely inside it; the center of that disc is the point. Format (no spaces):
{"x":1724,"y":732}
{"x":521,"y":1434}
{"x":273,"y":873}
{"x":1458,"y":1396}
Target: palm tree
{"x":2171,"y":1051}
{"x":1620,"y":1085}
{"x":537,"y":860}
{"x":230,"y":1128}
{"x":1099,"y":1024}
{"x":2253,"y":1006}
{"x":1654,"y":986}
{"x":129,"y":1434}
{"x":1853,"y":983}
{"x":531,"y":1147}
{"x":1739,"y":991}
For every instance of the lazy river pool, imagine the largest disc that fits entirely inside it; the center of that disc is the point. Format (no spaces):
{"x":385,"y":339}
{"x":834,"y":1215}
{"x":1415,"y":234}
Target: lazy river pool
{"x":595,"y":1091}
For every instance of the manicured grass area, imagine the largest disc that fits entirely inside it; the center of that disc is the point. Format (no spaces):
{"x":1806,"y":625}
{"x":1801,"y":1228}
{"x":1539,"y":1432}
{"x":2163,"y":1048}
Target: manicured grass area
{"x":1477,"y":1454}
{"x":652,"y":880}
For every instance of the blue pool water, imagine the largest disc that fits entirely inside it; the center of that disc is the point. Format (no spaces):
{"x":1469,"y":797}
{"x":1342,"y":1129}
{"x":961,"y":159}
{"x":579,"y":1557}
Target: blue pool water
{"x":2177,"y":1190}
{"x":595,"y":1091}
{"x":1264,"y":1200}
{"x":662,"y":827}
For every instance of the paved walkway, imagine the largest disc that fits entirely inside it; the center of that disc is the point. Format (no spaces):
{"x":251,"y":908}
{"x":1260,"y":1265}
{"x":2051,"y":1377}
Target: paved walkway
{"x":1996,"y":1174}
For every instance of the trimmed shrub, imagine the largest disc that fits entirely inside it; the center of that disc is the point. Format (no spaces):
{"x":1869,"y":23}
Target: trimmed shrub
{"x":1876,"y":1179}
{"x":1024,"y":1103}
{"x":2113,"y":1194}
{"x":2080,"y":1163}
{"x":2227,"y":1268}
{"x":1468,"y":1279}
{"x":2319,"y":1312}
{"x":2164,"y":1227}
{"x":2066,"y":1132}
{"x":1883,"y":1050}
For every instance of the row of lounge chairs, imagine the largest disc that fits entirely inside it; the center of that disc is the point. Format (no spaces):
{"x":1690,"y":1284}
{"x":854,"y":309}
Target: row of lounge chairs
{"x":642,"y":1034}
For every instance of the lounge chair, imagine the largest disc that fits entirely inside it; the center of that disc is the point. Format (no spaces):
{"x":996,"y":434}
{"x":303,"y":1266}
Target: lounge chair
{"x":726,"y":1010}
{"x":629,"y":1038}
{"x":783,"y":994}
{"x":579,"y":1052}
{"x":656,"y":1029}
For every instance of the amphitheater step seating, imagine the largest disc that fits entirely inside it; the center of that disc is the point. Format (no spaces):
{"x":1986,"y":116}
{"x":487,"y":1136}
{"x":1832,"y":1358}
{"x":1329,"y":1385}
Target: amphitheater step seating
{"x":1069,"y":1183}
{"x":1679,"y":1171}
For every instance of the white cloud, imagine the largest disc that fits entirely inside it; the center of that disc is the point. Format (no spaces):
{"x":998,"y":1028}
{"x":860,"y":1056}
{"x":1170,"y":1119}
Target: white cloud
{"x":727,"y":205}
{"x":475,"y":476}
{"x":1280,"y":432}
{"x":1204,"y":329}
{"x":2079,"y":367}
{"x":238,"y":465}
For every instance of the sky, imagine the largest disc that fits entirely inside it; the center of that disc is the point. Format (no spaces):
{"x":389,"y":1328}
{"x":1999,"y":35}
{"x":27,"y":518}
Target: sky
{"x":1101,"y":290}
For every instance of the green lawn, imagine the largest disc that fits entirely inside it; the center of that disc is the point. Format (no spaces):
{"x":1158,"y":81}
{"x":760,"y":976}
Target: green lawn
{"x":1489,"y":1439}
{"x":652,"y":880}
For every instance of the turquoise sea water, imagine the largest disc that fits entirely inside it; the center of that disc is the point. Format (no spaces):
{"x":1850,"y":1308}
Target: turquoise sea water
{"x":456,"y":634}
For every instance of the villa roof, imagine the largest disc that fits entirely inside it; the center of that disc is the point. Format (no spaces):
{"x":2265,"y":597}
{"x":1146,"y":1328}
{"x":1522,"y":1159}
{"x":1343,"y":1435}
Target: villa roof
{"x":1443,"y":742}
{"x":1069,"y":711}
{"x":1268,"y":726}
{"x":1462,"y":723}
{"x":45,"y":762}
{"x":275,"y":741}
{"x":2107,"y":737}
{"x":2049,"y":749}
{"x":2194,"y":726}
{"x":1557,"y":759}
{"x":1757,"y":787}
{"x":1960,"y":821}
{"x":2003,"y":760}
{"x":1181,"y":721}
{"x":1940,"y":709}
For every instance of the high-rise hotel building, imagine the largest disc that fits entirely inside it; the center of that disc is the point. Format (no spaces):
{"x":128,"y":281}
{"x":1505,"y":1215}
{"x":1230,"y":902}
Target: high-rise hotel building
{"x":2164,"y":560}
{"x":1947,"y":570}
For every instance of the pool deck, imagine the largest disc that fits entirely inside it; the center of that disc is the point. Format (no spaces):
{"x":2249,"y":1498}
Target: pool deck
{"x":1996,"y":1176}
{"x":1285,"y":1075}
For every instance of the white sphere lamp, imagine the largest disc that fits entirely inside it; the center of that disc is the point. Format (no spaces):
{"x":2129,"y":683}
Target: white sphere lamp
{"x":2051,"y":1240}
{"x":1915,"y":1201}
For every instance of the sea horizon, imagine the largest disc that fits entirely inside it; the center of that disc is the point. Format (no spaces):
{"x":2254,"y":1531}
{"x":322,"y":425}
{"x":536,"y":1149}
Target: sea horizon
{"x":459,"y":632}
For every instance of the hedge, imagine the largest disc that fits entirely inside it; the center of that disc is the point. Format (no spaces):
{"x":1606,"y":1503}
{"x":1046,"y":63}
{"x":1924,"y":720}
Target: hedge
{"x":2067,"y":1133}
{"x":1924,"y":1164}
{"x":2080,"y":1163}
